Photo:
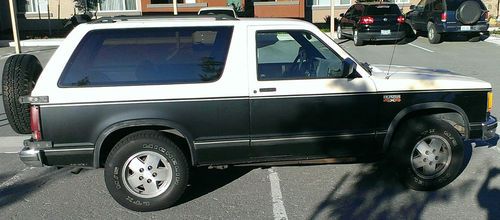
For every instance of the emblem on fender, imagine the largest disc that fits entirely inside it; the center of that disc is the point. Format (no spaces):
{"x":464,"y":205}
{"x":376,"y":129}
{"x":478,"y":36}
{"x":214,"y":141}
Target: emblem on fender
{"x":392,"y":98}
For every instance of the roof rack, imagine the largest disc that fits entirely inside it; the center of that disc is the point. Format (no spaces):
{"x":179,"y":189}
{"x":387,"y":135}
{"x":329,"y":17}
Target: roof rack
{"x":114,"y":19}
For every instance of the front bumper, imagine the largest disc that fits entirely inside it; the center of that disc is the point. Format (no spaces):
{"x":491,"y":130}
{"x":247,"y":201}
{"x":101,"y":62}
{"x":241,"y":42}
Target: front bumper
{"x":489,"y":136}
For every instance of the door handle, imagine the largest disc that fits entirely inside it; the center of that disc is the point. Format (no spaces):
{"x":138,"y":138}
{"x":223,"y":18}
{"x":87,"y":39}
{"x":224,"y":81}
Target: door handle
{"x":267,"y":90}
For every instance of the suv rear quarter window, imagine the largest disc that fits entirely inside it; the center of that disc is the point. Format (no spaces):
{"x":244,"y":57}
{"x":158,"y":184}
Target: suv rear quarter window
{"x":142,"y":56}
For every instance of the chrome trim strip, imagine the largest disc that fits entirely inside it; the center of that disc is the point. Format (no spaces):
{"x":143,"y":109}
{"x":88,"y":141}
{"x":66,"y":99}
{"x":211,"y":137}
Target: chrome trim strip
{"x":221,"y":142}
{"x":68,"y":149}
{"x":260,"y":97}
{"x":309,"y":137}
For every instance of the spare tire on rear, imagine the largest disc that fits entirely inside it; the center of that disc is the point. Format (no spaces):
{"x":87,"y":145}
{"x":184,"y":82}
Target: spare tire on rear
{"x":469,"y":12}
{"x":20,"y":74}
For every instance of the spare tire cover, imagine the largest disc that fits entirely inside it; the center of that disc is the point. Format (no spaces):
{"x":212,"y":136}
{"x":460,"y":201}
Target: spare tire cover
{"x":469,"y":12}
{"x":19,"y":76}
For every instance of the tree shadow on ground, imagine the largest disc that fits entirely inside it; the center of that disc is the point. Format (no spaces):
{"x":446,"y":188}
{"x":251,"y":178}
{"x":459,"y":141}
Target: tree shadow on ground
{"x":377,"y":194}
{"x":489,"y":197}
{"x":204,"y":181}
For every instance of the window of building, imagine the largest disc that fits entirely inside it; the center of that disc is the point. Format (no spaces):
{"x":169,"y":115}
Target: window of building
{"x":294,"y":55}
{"x":327,"y":2}
{"x":166,"y":1}
{"x":117,"y":5}
{"x":145,"y":56}
{"x":32,"y":5}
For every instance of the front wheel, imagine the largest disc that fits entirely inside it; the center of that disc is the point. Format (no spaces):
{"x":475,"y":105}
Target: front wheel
{"x":340,"y":35}
{"x":429,"y":153}
{"x":146,"y":171}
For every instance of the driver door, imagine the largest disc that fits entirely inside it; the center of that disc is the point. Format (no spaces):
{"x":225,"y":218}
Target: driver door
{"x":300,"y":105}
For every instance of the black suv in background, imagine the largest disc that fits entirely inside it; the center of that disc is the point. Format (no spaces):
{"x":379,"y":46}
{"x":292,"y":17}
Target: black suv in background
{"x":439,"y":17}
{"x":372,"y":22}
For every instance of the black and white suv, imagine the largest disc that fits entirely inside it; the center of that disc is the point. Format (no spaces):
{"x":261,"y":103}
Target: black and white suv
{"x":147,"y":99}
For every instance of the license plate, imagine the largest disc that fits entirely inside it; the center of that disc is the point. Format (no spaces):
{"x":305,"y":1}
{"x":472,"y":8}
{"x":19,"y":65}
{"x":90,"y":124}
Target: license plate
{"x":465,"y":28}
{"x":385,"y":32}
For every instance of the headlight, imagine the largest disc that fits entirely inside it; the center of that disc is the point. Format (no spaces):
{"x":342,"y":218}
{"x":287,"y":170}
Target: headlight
{"x":490,"y":101}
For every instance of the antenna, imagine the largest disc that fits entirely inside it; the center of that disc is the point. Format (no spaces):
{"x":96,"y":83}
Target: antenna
{"x":387,"y":75}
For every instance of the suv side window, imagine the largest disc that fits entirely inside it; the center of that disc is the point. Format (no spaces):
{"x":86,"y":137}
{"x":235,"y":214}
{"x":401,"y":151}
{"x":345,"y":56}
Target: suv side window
{"x":358,"y":10}
{"x":294,"y":55}
{"x":438,"y":5}
{"x":421,"y":5}
{"x":349,"y":11}
{"x":160,"y":56}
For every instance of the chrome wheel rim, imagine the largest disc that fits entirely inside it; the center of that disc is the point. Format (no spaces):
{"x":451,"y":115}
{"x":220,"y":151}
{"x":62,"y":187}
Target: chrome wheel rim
{"x":147,"y":174}
{"x":355,"y":37}
{"x":431,"y":157}
{"x":339,"y":32}
{"x":431,"y":33}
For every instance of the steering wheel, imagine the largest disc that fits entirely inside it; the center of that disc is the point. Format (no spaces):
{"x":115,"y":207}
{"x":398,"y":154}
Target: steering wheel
{"x":300,"y":59}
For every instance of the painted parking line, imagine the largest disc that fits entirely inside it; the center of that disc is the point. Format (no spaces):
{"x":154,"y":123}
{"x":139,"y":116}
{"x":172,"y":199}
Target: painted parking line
{"x":279,"y":211}
{"x":494,"y":40}
{"x":422,"y":48}
{"x":12,"y":144}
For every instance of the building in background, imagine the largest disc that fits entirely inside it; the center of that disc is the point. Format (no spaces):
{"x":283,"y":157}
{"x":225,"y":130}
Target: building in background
{"x":280,"y":8}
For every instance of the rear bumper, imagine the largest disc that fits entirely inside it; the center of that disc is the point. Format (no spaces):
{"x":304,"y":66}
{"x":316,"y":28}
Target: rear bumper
{"x":456,"y":28}
{"x":377,"y":36}
{"x":42,"y":153}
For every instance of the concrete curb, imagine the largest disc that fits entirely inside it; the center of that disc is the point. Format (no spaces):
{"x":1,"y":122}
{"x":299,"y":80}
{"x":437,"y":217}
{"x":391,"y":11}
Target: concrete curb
{"x":39,"y":42}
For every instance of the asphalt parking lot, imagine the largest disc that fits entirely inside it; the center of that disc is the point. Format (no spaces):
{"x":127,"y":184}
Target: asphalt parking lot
{"x":342,"y":191}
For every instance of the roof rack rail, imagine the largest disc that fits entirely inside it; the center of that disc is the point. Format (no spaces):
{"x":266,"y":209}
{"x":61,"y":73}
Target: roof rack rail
{"x":126,"y":18}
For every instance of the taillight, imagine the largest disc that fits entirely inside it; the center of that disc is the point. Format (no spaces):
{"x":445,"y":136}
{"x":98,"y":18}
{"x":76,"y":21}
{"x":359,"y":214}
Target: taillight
{"x":366,"y":20}
{"x":35,"y":123}
{"x":401,"y":19}
{"x":444,"y":16}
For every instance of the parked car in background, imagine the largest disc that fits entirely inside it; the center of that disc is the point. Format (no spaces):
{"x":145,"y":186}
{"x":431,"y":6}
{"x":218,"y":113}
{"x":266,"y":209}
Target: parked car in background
{"x":453,"y":17}
{"x":372,"y":22}
{"x":218,"y":11}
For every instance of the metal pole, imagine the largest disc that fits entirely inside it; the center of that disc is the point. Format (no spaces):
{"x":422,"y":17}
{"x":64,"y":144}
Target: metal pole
{"x":48,"y":16}
{"x":175,"y":7}
{"x":15,"y":30}
{"x":332,"y":18}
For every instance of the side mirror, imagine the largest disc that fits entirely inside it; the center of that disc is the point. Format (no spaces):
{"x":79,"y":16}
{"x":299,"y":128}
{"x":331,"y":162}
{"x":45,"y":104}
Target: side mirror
{"x":341,"y":15}
{"x":412,"y":7}
{"x":348,"y":67}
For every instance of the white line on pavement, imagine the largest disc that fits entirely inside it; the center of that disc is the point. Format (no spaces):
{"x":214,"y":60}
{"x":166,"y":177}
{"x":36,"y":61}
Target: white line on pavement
{"x":279,"y":211}
{"x":494,"y":40}
{"x":12,"y":144}
{"x":419,"y":47}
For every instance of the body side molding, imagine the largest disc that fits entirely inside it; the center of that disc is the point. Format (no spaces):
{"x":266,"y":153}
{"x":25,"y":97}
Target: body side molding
{"x":424,"y":106}
{"x":137,"y":123}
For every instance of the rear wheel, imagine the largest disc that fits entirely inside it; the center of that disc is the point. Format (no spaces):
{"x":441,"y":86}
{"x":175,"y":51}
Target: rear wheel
{"x":357,"y":41}
{"x":146,"y":171}
{"x":428,"y":153}
{"x":20,"y":74}
{"x":432,"y":34}
{"x":340,"y":35}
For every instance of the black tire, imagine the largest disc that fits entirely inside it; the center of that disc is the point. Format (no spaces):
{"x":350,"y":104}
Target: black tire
{"x":117,"y":172}
{"x":355,"y":38}
{"x":340,"y":35}
{"x":407,"y":147}
{"x":469,"y":12}
{"x":432,"y":34}
{"x":20,"y":74}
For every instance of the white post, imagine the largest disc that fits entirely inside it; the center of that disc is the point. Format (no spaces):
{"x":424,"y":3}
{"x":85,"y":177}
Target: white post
{"x":175,"y":7}
{"x":15,"y":30}
{"x":332,"y":18}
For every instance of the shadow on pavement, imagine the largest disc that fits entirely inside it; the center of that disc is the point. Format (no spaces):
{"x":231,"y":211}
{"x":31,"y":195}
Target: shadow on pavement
{"x":26,"y":182}
{"x":204,"y":181}
{"x":489,"y":196}
{"x":378,"y":195}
